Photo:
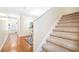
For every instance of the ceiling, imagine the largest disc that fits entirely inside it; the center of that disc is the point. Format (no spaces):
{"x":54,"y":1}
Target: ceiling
{"x":29,"y":11}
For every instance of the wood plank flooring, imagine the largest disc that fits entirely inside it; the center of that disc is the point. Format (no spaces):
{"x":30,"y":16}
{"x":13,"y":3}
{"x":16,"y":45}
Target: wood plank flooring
{"x":18,"y":44}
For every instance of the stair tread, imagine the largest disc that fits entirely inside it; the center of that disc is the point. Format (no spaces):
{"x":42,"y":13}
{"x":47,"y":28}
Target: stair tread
{"x":71,"y":15}
{"x":69,"y":29}
{"x":67,"y":35}
{"x":53,"y":48}
{"x":70,"y":18}
{"x":72,"y":45}
{"x":68,"y":24}
{"x":69,"y":21}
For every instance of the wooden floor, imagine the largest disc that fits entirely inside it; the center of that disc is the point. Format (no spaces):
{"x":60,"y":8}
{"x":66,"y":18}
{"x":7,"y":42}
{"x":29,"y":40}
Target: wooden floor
{"x":18,"y":44}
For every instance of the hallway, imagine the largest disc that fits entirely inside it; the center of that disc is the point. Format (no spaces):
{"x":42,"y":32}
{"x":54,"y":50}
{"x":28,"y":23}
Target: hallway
{"x":14,"y":43}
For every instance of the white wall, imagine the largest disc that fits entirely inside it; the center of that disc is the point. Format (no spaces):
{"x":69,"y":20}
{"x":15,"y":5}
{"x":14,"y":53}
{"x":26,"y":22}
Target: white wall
{"x":24,"y":22}
{"x":3,"y":30}
{"x":43,"y":25}
{"x":45,"y":22}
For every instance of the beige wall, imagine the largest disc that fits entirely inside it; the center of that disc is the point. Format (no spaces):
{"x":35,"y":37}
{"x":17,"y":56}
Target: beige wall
{"x":45,"y":22}
{"x":69,"y":10}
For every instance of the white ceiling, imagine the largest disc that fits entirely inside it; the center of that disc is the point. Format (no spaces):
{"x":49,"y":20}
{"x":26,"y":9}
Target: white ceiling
{"x":29,"y":11}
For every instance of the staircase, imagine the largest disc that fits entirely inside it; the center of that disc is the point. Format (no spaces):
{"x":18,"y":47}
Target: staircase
{"x":65,"y":35}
